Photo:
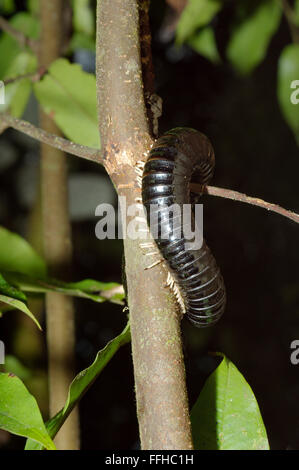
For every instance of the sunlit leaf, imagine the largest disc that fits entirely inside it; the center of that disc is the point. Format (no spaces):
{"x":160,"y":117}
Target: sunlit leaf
{"x":88,"y":288}
{"x":16,"y":61}
{"x":196,"y":14}
{"x":83,"y":19}
{"x":18,"y":305}
{"x":249,"y":41}
{"x":226,"y":415}
{"x":17,"y":255}
{"x":205,"y":44}
{"x":19,"y":412}
{"x":68,"y":95}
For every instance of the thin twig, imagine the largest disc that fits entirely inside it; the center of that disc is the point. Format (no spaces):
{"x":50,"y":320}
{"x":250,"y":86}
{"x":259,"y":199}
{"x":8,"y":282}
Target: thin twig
{"x":88,"y":153}
{"x":234,"y":195}
{"x":20,"y":37}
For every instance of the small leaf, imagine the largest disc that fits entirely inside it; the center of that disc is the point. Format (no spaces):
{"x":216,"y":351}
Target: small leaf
{"x":19,"y":412}
{"x":68,"y":95}
{"x":17,"y":255}
{"x":82,"y":382}
{"x":287,"y":86}
{"x":88,"y":288}
{"x":16,"y":61}
{"x":18,"y":305}
{"x":226,"y":415}
{"x":11,"y":291}
{"x":205,"y":44}
{"x":250,"y":39}
{"x":83,"y":19}
{"x":196,"y":14}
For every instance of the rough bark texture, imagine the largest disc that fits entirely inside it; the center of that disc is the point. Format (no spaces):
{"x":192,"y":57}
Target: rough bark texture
{"x":57,"y":244}
{"x":162,"y":404}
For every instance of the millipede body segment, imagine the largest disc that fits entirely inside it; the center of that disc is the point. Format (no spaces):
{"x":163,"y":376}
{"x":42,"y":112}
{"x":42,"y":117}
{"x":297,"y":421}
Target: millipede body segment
{"x":178,"y":157}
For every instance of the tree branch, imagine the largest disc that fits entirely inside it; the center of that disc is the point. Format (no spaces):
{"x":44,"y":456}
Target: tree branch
{"x":53,"y":140}
{"x":20,"y":37}
{"x":162,"y":404}
{"x":235,"y":196}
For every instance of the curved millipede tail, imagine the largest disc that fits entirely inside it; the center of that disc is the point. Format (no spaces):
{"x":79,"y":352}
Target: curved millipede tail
{"x":178,"y":157}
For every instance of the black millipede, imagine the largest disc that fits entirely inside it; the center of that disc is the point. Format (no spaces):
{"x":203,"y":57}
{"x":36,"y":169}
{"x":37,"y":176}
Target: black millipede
{"x":181,"y":156}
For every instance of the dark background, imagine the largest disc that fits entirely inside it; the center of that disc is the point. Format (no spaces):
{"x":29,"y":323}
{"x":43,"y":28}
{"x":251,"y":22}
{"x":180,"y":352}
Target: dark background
{"x":256,"y":250}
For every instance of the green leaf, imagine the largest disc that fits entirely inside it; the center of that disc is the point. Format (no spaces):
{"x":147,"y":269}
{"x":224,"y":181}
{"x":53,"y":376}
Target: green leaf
{"x":33,"y":6}
{"x":288,"y":85}
{"x":16,"y":61}
{"x":226,"y":415}
{"x":83,"y":19}
{"x":7,"y":6}
{"x":13,"y":365}
{"x":205,"y":44}
{"x":88,"y":288}
{"x":18,"y":305}
{"x":249,"y":41}
{"x":11,"y":291}
{"x":82,"y":382}
{"x":196,"y":14}
{"x":68,"y":95}
{"x":19,"y":412}
{"x":17,"y":255}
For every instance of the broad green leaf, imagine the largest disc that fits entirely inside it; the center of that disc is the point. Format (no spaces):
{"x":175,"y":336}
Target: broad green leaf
{"x":83,"y":19}
{"x":18,"y":305}
{"x":88,"y":288}
{"x":16,"y":61}
{"x":249,"y":41}
{"x":196,"y":14}
{"x":68,"y":95}
{"x":288,"y":86}
{"x":17,"y":255}
{"x":205,"y":44}
{"x":82,"y":382}
{"x":19,"y":412}
{"x":226,"y":415}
